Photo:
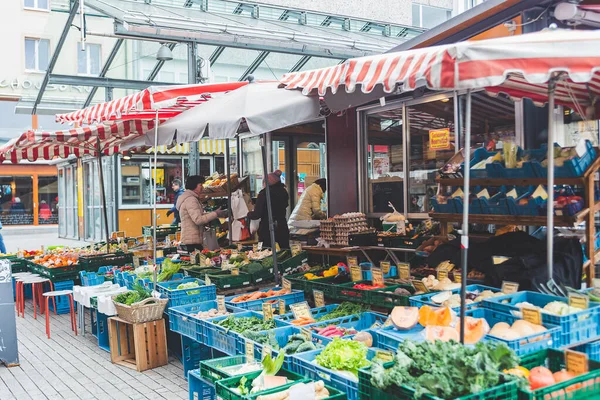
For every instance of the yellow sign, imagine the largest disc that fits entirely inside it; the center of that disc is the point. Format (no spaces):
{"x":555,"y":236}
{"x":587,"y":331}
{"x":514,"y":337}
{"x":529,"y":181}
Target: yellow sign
{"x":249,"y":347}
{"x":281,"y":306}
{"x":287,"y":285}
{"x":577,"y":362}
{"x":404,"y":270}
{"x":319,"y":298}
{"x":377,"y":276}
{"x":301,"y":310}
{"x":221,"y":304}
{"x":355,"y":273}
{"x":439,"y":139}
{"x":532,"y":315}
{"x":385,"y":266}
{"x":267,"y":309}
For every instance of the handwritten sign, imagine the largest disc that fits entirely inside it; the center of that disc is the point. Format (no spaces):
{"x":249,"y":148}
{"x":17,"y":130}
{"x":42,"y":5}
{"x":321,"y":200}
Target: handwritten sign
{"x":385,"y":266}
{"x":287,"y":285}
{"x":579,"y":301}
{"x":420,"y":286}
{"x":388,"y":322}
{"x":301,"y":310}
{"x":266,"y":350}
{"x":439,"y":139}
{"x":377,"y":276}
{"x":249,"y":345}
{"x":319,"y":298}
{"x":307,"y":333}
{"x":458,"y":277}
{"x":352,"y":261}
{"x":355,"y":273}
{"x":577,"y":362}
{"x":267,"y":309}
{"x":296,"y":249}
{"x":254,"y":248}
{"x":136,"y":262}
{"x":281,"y":306}
{"x":207,"y":280}
{"x":221,"y":304}
{"x":385,"y":356}
{"x":404,"y":271}
{"x":259,"y":246}
{"x":509,"y":287}
{"x":442,"y":274}
{"x":532,"y":315}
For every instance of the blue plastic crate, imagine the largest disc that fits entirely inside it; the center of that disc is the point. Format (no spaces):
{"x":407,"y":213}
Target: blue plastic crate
{"x":304,"y":365}
{"x":198,"y":388}
{"x":192,"y":353}
{"x":62,"y":302}
{"x":256,"y":305}
{"x":521,"y":346}
{"x":392,"y":273}
{"x":479,"y":154}
{"x":103,"y":338}
{"x":281,"y":336}
{"x":180,"y":320}
{"x":316,"y":312}
{"x":91,"y":279}
{"x":571,"y":168}
{"x":495,"y":205}
{"x":497,"y":170}
{"x":382,"y":339}
{"x":591,"y":349}
{"x":576,"y":327}
{"x":227,"y":341}
{"x":450,"y":207}
{"x":533,"y":206}
{"x":360,"y":322}
{"x":422,"y":299}
{"x":180,"y":297}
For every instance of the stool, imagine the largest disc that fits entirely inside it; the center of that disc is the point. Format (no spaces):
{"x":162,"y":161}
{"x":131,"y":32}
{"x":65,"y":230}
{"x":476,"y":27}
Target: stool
{"x":37,"y":285}
{"x":56,"y":293}
{"x":140,"y":346}
{"x":20,"y":282}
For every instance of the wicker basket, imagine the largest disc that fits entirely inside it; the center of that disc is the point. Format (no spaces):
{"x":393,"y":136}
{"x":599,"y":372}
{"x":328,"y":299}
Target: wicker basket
{"x":147,"y":310}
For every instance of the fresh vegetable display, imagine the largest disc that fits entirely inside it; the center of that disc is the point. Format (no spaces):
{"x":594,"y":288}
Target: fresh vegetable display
{"x":243,"y":324}
{"x":189,"y":285}
{"x":334,"y":331}
{"x":346,"y":356}
{"x":519,"y":329}
{"x":261,"y":338}
{"x":213,"y":312}
{"x":448,"y":299}
{"x":343,"y":310}
{"x":319,"y":390}
{"x":169,"y":268}
{"x":541,"y":377}
{"x":267,"y":378}
{"x":136,"y":295}
{"x":445,"y":369}
{"x":554,"y":307}
{"x":57,"y":261}
{"x":299,"y":343}
{"x":333,"y":271}
{"x":301,"y":321}
{"x":365,"y":286}
{"x":258,"y":295}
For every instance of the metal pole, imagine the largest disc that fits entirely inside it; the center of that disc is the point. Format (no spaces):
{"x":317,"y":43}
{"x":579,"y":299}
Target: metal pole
{"x":155,"y":274}
{"x":228,"y":175}
{"x":550,"y":203}
{"x":102,"y":195}
{"x":194,"y":155}
{"x":464,"y":240}
{"x":269,"y":210}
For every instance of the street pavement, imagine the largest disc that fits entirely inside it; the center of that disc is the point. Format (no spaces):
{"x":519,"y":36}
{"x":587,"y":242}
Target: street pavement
{"x":33,"y":237}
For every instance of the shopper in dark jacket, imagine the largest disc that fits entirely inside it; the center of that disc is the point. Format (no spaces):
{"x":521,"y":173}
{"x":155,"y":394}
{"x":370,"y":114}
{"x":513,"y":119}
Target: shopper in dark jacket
{"x":176,"y":185}
{"x":279,"y":203}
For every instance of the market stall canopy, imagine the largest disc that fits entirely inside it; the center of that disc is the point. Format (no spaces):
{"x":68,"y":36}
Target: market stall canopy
{"x":168,"y":100}
{"x":262,"y":106}
{"x":86,"y":141}
{"x":519,"y":66}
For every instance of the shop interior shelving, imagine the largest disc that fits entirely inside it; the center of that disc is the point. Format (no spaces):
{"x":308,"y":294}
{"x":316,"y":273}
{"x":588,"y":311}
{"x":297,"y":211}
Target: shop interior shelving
{"x":585,"y":216}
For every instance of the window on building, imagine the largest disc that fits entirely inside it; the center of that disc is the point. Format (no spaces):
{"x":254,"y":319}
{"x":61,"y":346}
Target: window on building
{"x":37,"y":54}
{"x":137,"y":178}
{"x":88,"y":61}
{"x":427,"y":17}
{"x":16,"y":200}
{"x":37,"y":4}
{"x":48,"y":199}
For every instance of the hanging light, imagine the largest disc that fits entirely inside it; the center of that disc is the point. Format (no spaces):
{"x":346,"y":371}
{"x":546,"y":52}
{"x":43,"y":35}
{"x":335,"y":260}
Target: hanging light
{"x":164,"y":53}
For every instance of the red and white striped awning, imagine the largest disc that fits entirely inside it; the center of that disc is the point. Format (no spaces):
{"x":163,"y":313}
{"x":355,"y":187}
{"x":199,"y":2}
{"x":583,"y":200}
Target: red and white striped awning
{"x":168,"y":100}
{"x":519,"y":66}
{"x":80,"y":142}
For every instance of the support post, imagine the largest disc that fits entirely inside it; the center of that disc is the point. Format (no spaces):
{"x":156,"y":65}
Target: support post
{"x":228,"y":175}
{"x":194,"y":155}
{"x":155,"y":273}
{"x":269,"y":209}
{"x":550,"y":158}
{"x":102,"y":194}
{"x":464,"y":240}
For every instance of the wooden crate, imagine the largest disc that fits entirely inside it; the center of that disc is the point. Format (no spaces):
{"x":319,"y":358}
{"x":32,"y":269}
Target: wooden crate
{"x":138,"y":346}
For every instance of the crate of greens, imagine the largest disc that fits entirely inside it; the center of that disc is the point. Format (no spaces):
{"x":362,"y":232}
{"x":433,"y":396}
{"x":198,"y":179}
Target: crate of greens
{"x":186,"y":291}
{"x":254,"y":300}
{"x":139,"y":306}
{"x":225,"y":367}
{"x":327,"y":313}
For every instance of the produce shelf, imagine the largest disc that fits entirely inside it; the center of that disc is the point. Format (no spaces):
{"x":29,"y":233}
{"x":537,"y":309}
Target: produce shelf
{"x":529,"y":220}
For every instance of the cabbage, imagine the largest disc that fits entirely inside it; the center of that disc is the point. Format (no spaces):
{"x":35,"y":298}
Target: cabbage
{"x":560,"y":308}
{"x":344,"y":355}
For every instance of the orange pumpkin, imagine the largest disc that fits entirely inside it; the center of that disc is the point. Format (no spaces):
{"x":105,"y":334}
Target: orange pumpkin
{"x":475,"y":329}
{"x":443,"y":333}
{"x":435,"y":316}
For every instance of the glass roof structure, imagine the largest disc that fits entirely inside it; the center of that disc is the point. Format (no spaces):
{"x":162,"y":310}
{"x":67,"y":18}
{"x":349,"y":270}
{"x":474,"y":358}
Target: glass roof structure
{"x":220,"y":40}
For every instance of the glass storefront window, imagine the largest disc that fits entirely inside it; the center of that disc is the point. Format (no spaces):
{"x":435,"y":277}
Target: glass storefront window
{"x":252,"y":164}
{"x":385,"y":161}
{"x":48,"y":200}
{"x":16,"y":200}
{"x":137,"y":180}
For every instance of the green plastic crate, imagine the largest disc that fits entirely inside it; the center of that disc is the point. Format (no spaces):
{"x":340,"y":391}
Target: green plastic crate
{"x":228,"y":281}
{"x":347,"y":292}
{"x":292,"y":262}
{"x":93,"y":263}
{"x":55,"y":274}
{"x":555,"y":360}
{"x":161,"y":231}
{"x":18,"y":264}
{"x":386,"y":297}
{"x":211,"y":369}
{"x":504,"y":391}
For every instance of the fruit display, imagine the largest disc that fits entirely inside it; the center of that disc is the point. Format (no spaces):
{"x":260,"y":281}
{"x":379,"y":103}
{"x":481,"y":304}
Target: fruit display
{"x":554,"y":307}
{"x":219,"y":183}
{"x":57,"y":261}
{"x":452,"y":300}
{"x":519,"y":329}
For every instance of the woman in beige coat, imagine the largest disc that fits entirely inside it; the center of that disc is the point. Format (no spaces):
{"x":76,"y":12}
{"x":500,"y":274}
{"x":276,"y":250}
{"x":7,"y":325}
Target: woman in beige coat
{"x":309,"y":205}
{"x":193,"y":217}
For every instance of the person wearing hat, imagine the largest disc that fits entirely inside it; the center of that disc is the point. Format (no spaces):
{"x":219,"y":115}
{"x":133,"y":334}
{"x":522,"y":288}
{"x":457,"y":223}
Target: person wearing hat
{"x":279,"y":204}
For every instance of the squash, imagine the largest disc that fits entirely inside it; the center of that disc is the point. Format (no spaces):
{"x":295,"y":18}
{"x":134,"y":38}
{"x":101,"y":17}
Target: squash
{"x":540,"y":377}
{"x":404,"y":318}
{"x":443,"y":333}
{"x":475,"y":329}
{"x":563,"y":375}
{"x":435,"y":316}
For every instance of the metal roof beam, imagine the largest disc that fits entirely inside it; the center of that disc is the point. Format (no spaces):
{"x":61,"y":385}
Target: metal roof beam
{"x":55,"y":54}
{"x":216,"y":54}
{"x":300,"y":64}
{"x":254,"y":65}
{"x":96,"y":81}
{"x":105,"y":68}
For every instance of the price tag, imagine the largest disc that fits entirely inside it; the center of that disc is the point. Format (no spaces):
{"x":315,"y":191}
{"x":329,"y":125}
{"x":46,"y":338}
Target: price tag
{"x":296,"y":249}
{"x":136,"y":261}
{"x":385,"y":356}
{"x":377,"y":276}
{"x":420,"y":286}
{"x":388,"y":322}
{"x":355,"y":273}
{"x":266,"y":350}
{"x":235,"y":271}
{"x":596,"y":283}
{"x":509,"y":287}
{"x":301,"y":310}
{"x":458,"y":277}
{"x":124,"y":247}
{"x":319,"y":298}
{"x":385,"y":266}
{"x":259,"y":246}
{"x":287,"y":285}
{"x":178,"y":236}
{"x":249,"y":351}
{"x":352,"y":261}
{"x":44,"y":250}
{"x":19,"y":253}
{"x":532,"y":315}
{"x":404,"y":271}
{"x":376,"y":325}
{"x":234,"y":253}
{"x":281,"y":306}
{"x":307,"y":333}
{"x":267,"y":309}
{"x":579,"y":301}
{"x":577,"y":362}
{"x":254,"y":248}
{"x":207,"y":280}
{"x":221,"y":304}
{"x":160,"y":253}
{"x":442,"y":274}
